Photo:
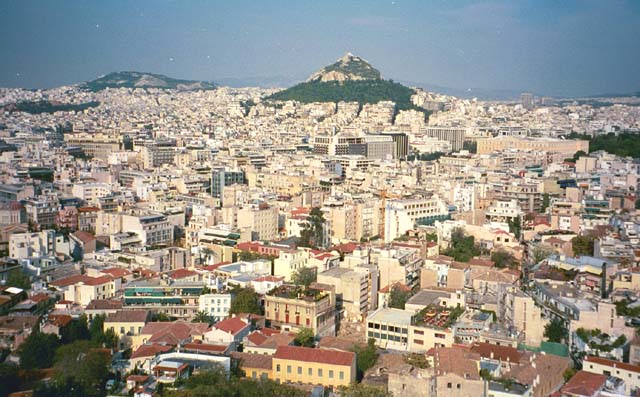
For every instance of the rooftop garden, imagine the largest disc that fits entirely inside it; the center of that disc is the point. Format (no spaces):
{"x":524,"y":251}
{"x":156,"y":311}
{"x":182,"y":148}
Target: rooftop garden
{"x":437,"y":316}
{"x":298,"y":292}
{"x":598,"y":340}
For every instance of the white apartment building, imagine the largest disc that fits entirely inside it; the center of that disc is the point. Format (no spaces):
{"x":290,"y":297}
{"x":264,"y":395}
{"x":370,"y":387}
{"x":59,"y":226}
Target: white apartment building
{"x":403,"y":214}
{"x":215,"y":305}
{"x":30,"y":245}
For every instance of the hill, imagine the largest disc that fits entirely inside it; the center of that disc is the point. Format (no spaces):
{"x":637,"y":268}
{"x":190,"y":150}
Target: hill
{"x":145,"y":80}
{"x":349,"y":67}
{"x":350,"y":79}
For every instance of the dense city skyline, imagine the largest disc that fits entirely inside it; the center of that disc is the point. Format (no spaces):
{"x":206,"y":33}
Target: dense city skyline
{"x":549,"y":48}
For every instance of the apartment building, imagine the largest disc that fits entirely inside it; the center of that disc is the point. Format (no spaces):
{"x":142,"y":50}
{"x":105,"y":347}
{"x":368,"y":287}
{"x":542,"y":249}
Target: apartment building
{"x":175,"y":299}
{"x":292,"y":308}
{"x":96,"y":145}
{"x":29,"y":245}
{"x":355,"y":289}
{"x":567,"y":147}
{"x":402,"y":215}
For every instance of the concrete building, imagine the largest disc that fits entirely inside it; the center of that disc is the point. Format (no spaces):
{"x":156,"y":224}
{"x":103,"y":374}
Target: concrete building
{"x":292,"y":309}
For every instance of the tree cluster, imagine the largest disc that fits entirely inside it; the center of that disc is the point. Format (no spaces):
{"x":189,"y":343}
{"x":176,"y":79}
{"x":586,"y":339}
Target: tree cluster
{"x":462,"y":248}
{"x":313,"y":232}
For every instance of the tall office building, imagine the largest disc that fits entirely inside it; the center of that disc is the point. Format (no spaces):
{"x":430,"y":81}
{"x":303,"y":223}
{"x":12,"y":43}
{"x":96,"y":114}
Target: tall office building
{"x":527,"y":100}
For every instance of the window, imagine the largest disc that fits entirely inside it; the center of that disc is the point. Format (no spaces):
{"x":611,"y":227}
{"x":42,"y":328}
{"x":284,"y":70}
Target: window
{"x":330,"y":374}
{"x":288,"y":369}
{"x":253,"y":374}
{"x":449,"y":385}
{"x":299,"y":370}
{"x":320,"y":372}
{"x":418,"y":341}
{"x":310,"y":371}
{"x":341,"y":375}
{"x":277,"y":367}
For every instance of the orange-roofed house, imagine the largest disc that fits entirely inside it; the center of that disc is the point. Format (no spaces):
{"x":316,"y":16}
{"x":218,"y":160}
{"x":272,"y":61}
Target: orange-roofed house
{"x":628,"y":372}
{"x":82,"y":289}
{"x":228,"y":331}
{"x":314,"y":366}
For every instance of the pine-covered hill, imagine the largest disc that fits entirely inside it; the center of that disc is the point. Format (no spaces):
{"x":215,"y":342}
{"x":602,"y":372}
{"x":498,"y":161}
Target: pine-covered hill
{"x":361,"y":91}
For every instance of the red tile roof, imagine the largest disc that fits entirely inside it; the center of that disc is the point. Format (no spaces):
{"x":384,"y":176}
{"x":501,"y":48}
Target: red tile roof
{"x":584,"y":383}
{"x":116,"y":272}
{"x":231,"y":325}
{"x":257,"y":338}
{"x":310,"y":355}
{"x":182,"y":273}
{"x":613,"y":363}
{"x":85,"y":237}
{"x":502,"y":353}
{"x":150,"y":350}
{"x":205,"y":347}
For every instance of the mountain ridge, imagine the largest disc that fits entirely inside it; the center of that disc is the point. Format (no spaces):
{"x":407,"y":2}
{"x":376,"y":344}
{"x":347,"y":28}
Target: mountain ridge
{"x":134,"y":79}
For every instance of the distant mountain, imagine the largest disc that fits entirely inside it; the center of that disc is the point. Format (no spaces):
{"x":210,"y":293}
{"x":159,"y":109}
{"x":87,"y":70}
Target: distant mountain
{"x":145,"y":80}
{"x":349,"y":67}
{"x":350,"y":79}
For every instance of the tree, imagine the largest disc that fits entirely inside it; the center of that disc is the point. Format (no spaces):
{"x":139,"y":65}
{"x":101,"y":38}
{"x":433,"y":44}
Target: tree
{"x":77,"y":329}
{"x":305,"y":337}
{"x":213,"y":382}
{"x":304,"y":276}
{"x":37,"y":351}
{"x":245,"y":300}
{"x":111,"y":339}
{"x":515,"y":227}
{"x":545,"y":202}
{"x":84,"y":365}
{"x":504,"y":259}
{"x":555,"y":331}
{"x":578,"y":154}
{"x":161,"y":317}
{"x":398,"y":297}
{"x":96,"y":330}
{"x":9,"y":380}
{"x":312,"y":235}
{"x":582,"y":245}
{"x":202,"y":317}
{"x":568,"y":374}
{"x":541,"y":253}
{"x":462,"y":247}
{"x":362,"y":390}
{"x":19,"y":279}
{"x":366,"y":356}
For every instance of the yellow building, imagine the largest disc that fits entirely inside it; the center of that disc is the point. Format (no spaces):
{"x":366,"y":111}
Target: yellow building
{"x":126,"y":324}
{"x":292,"y":308}
{"x":314,"y":366}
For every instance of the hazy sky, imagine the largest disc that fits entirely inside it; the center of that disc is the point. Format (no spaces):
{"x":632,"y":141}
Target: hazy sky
{"x":560,"y":47}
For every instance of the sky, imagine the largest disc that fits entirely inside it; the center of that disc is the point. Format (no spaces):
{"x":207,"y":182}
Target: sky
{"x":556,"y":48}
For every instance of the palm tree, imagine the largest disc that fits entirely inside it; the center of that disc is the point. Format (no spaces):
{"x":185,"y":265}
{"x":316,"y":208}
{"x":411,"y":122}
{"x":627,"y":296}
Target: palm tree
{"x":202,"y":317}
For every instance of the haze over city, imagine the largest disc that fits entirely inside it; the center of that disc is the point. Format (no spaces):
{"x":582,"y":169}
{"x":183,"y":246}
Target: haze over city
{"x":319,"y":199}
{"x":567,"y":48}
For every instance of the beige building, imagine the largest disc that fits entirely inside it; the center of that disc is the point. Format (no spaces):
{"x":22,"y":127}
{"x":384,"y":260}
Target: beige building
{"x":520,"y":310}
{"x":292,"y":308}
{"x":96,"y":145}
{"x":568,"y":147}
{"x":355,"y":289}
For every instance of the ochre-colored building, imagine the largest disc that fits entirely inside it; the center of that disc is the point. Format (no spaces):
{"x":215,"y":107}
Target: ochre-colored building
{"x":314,"y":366}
